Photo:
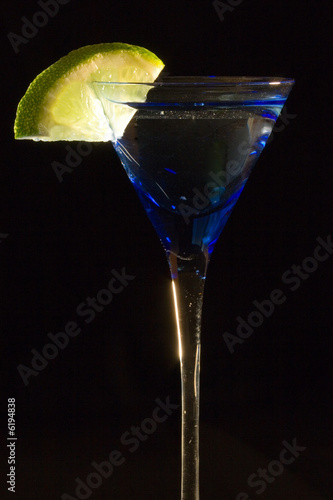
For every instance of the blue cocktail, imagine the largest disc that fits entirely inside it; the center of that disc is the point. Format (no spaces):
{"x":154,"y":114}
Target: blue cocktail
{"x":189,"y":148}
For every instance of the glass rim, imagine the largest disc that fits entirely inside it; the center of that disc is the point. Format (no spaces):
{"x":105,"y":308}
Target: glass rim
{"x":206,"y":81}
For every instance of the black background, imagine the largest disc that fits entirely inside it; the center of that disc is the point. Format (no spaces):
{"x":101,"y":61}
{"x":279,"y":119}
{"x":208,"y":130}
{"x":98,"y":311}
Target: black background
{"x":60,"y":241}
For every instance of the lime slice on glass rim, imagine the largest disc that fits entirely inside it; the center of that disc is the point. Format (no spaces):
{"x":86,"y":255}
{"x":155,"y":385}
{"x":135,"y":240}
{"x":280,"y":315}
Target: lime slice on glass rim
{"x":61,"y":103}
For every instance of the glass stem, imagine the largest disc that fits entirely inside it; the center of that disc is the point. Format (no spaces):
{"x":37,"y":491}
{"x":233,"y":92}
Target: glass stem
{"x":188,"y":278}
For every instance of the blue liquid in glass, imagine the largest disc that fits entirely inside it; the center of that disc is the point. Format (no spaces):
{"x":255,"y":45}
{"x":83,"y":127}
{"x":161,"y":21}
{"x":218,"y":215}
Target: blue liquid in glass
{"x":189,"y":164}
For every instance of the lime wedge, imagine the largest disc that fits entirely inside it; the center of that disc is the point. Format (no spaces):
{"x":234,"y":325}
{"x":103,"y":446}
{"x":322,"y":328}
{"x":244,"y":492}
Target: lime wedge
{"x":61,"y":103}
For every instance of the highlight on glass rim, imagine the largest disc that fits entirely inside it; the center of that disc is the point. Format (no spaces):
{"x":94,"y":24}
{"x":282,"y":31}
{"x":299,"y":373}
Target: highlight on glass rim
{"x":188,"y":145}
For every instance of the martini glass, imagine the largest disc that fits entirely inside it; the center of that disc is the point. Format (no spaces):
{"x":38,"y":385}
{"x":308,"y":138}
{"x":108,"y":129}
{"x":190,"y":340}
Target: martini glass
{"x":188,"y":145}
